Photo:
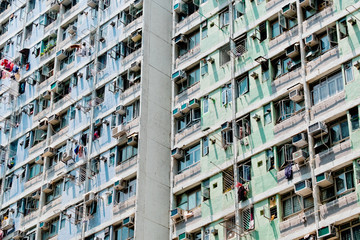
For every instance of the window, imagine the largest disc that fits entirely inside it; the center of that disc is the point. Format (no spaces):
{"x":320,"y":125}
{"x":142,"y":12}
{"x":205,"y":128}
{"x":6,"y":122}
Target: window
{"x":205,"y":145}
{"x":231,"y":228}
{"x":194,"y":40}
{"x":354,"y":118}
{"x":275,"y":29}
{"x":192,"y":117}
{"x":204,"y":30}
{"x":349,"y":77}
{"x":57,"y":190}
{"x":339,"y":131}
{"x":190,"y":199}
{"x":281,"y":24}
{"x":283,"y":65}
{"x":240,"y":45}
{"x":293,"y":203}
{"x":193,"y":77}
{"x":79,"y":211}
{"x":53,"y":229}
{"x":244,"y":126}
{"x":270,"y":163}
{"x":8,"y":182}
{"x":126,"y":153}
{"x":343,"y":184}
{"x":191,"y":156}
{"x":245,"y":172}
{"x":205,"y":104}
{"x":247,"y":219}
{"x":94,"y":166}
{"x":343,"y":29}
{"x":350,"y":230}
{"x":132,"y":112}
{"x":239,"y":9}
{"x":262,"y":30}
{"x":112,"y":156}
{"x":224,"y":18}
{"x":228,"y":179}
{"x":285,"y":154}
{"x":226,"y":96}
{"x":204,"y":68}
{"x":327,"y":87}
{"x":286,"y":108}
{"x":34,"y":170}
{"x":267,"y":114}
{"x":224,"y":55}
{"x":124,"y":233}
{"x":126,"y":193}
{"x":226,"y":138}
{"x":242,"y":85}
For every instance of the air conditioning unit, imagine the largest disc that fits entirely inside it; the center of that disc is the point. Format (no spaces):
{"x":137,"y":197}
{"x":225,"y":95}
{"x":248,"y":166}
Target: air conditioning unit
{"x":244,"y":141}
{"x":98,"y":122}
{"x":18,"y":235}
{"x":46,"y":95}
{"x":289,"y":10}
{"x":132,"y":140}
{"x":181,"y":39}
{"x":307,"y":3}
{"x":128,"y":222}
{"x":328,"y":232}
{"x":226,"y":126}
{"x":180,"y":7}
{"x":120,"y":110}
{"x":311,"y":40}
{"x":177,"y":113}
{"x":324,"y":179}
{"x":61,"y":54}
{"x":317,"y":129}
{"x":71,"y":29}
{"x":176,"y":214}
{"x":44,"y":226}
{"x":185,"y":108}
{"x":303,"y":188}
{"x":120,"y":184}
{"x":292,"y":51}
{"x":138,"y":4}
{"x":92,"y":3}
{"x":185,"y":236}
{"x":43,"y":124}
{"x":194,"y":103}
{"x":36,"y":195}
{"x":47,"y":188}
{"x":135,"y":66}
{"x":136,"y":36}
{"x":39,"y":160}
{"x":300,"y":140}
{"x":179,"y":76}
{"x":299,"y":156}
{"x":177,"y":153}
{"x":67,"y":155}
{"x":7,"y":224}
{"x":54,"y":119}
{"x":89,"y":198}
{"x":115,"y":132}
{"x":48,"y":152}
{"x":296,"y":95}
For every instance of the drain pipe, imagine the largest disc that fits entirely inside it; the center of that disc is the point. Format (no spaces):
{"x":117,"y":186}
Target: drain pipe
{"x":307,"y":99}
{"x":233,"y":116}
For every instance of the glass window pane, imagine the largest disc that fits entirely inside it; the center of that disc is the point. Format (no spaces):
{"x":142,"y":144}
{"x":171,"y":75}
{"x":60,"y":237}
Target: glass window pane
{"x":349,"y":180}
{"x":356,"y":232}
{"x":335,"y":133}
{"x":346,"y":235}
{"x":287,"y":207}
{"x":324,"y":43}
{"x":192,"y":201}
{"x":340,"y":184}
{"x":297,"y":203}
{"x":344,"y":129}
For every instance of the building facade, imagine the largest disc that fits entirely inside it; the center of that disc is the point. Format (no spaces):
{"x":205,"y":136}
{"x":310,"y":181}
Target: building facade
{"x":85,"y":119}
{"x":265,"y":121}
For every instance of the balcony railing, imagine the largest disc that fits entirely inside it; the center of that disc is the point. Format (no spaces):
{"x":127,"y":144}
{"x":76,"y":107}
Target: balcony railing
{"x":187,"y":56}
{"x":126,"y":165}
{"x":343,"y":205}
{"x":187,"y":22}
{"x":187,"y":94}
{"x":336,"y":152}
{"x":189,"y":173}
{"x":285,"y":81}
{"x":56,"y":171}
{"x":297,"y":222}
{"x":328,"y":104}
{"x":123,"y":206}
{"x":290,"y":123}
{"x":188,"y":132}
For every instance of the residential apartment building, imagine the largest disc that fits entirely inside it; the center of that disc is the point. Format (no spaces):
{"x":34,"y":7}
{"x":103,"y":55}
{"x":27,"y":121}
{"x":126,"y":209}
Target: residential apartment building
{"x":85,"y":119}
{"x":265,"y":125}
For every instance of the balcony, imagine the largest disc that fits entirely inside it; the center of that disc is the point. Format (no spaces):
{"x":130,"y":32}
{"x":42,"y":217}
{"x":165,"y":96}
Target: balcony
{"x":187,"y":94}
{"x":126,"y":165}
{"x":41,"y":114}
{"x":51,"y":205}
{"x":189,"y":173}
{"x":70,"y":11}
{"x":191,"y":217}
{"x":323,"y":16}
{"x":290,"y":123}
{"x":130,"y":93}
{"x":297,"y":222}
{"x":37,"y":147}
{"x":55,"y":171}
{"x":130,"y":58}
{"x":187,"y":56}
{"x":63,"y":72}
{"x":32,"y":182}
{"x":63,"y":132}
{"x":336,"y":152}
{"x":134,"y":25}
{"x":344,"y":204}
{"x":187,"y":23}
{"x":51,"y":26}
{"x":328,"y":104}
{"x":63,"y":102}
{"x":322,"y":62}
{"x":297,"y":172}
{"x":285,"y":81}
{"x":187,"y":132}
{"x":123,"y":206}
{"x":47,"y":55}
{"x":29,"y":218}
{"x":284,"y":39}
{"x":273,"y":4}
{"x":45,"y":84}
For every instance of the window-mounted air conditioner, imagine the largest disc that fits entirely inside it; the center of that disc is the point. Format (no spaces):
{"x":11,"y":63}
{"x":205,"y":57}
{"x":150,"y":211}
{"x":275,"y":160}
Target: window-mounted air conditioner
{"x":46,"y":95}
{"x":296,"y":95}
{"x":318,"y":128}
{"x":289,"y":10}
{"x":185,"y":108}
{"x":181,"y":39}
{"x":135,"y":66}
{"x":54,"y":119}
{"x":176,"y":214}
{"x":89,"y":198}
{"x":324,"y":179}
{"x":177,"y":113}
{"x":61,"y":54}
{"x":311,"y":40}
{"x":7,"y":224}
{"x":39,"y":160}
{"x":48,"y":152}
{"x":328,"y":232}
{"x":132,"y":140}
{"x":36,"y":195}
{"x":92,"y":3}
{"x":128,"y":222}
{"x":185,"y":236}
{"x":18,"y":235}
{"x":44,"y":226}
{"x":177,"y":153}
{"x":180,"y":7}
{"x":300,"y":140}
{"x":299,"y":156}
{"x":194,"y":103}
{"x":179,"y":76}
{"x":293,"y":51}
{"x":43,"y":124}
{"x":120,"y":184}
{"x":303,"y":188}
{"x":72,"y":29}
{"x":47,"y":188}
{"x":120,"y":110}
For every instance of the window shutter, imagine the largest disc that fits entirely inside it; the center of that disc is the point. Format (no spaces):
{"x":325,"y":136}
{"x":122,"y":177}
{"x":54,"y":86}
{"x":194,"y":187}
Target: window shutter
{"x":240,"y":6}
{"x":282,"y":21}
